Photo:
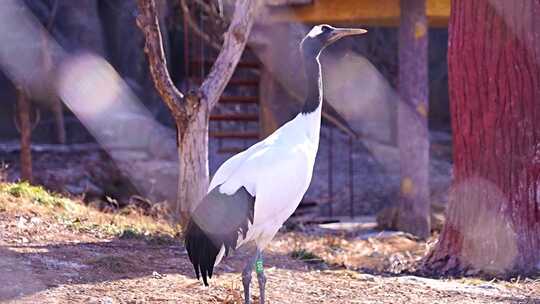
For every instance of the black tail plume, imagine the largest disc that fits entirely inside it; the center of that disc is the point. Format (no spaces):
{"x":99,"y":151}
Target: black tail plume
{"x":217,"y":222}
{"x":201,"y":250}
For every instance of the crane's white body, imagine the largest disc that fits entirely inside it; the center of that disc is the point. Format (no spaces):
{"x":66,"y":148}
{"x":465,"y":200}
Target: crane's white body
{"x":265,"y":183}
{"x":276,"y":171}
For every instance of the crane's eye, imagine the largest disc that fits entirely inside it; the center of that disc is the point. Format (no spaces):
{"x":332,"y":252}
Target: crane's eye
{"x":325,"y":28}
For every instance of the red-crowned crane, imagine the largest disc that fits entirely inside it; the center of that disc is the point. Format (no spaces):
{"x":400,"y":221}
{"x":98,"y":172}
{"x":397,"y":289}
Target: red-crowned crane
{"x":254,"y":192}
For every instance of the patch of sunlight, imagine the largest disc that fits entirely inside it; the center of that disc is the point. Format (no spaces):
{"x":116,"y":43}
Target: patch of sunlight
{"x":471,"y":287}
{"x":36,"y":194}
{"x":79,"y":217}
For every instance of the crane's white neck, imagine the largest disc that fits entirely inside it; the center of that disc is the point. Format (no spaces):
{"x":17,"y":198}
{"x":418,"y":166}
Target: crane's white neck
{"x":312,"y":123}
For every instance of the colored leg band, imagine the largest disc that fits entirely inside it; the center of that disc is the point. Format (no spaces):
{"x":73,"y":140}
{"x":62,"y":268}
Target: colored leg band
{"x":259,"y":266}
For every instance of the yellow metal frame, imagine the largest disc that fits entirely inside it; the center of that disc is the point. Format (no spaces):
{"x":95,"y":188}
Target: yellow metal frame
{"x":366,"y":12}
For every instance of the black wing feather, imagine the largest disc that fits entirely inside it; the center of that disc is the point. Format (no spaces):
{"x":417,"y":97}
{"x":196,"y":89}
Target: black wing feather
{"x":217,"y":221}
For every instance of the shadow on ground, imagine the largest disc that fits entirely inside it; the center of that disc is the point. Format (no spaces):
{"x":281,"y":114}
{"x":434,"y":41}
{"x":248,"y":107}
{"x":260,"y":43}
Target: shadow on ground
{"x":28,"y":269}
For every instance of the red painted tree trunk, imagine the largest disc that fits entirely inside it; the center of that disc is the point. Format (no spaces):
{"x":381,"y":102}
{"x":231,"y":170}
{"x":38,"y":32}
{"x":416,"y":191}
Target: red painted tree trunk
{"x":493,"y":219}
{"x":413,"y":137}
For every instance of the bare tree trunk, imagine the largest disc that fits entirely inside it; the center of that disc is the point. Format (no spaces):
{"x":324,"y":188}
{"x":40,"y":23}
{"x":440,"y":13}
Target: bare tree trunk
{"x":59,"y":124}
{"x":493,"y":218}
{"x":193,"y":163}
{"x":191,"y":112}
{"x":413,"y":136}
{"x":23,"y":115}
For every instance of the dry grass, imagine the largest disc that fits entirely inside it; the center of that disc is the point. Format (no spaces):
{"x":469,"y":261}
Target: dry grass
{"x":73,"y":213}
{"x":393,"y":254}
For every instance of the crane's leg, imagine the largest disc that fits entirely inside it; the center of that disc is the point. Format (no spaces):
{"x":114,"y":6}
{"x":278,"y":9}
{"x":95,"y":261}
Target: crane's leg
{"x":246,"y":278}
{"x":261,"y":278}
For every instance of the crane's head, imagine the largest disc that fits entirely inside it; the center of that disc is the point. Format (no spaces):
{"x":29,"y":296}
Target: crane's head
{"x":323,"y":35}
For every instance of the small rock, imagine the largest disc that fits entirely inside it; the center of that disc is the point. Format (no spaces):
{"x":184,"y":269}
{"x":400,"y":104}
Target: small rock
{"x":21,"y":223}
{"x":106,"y":300}
{"x":157,"y":275}
{"x":486,"y":286}
{"x":365,"y":277}
{"x":35,"y":220}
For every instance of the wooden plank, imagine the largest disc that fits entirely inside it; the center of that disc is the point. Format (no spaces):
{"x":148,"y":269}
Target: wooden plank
{"x":239,"y":99}
{"x":366,"y":12}
{"x":233,"y":82}
{"x":234,"y":135}
{"x":235,"y":117}
{"x":287,"y":2}
{"x":210,"y":62}
{"x":231,"y":150}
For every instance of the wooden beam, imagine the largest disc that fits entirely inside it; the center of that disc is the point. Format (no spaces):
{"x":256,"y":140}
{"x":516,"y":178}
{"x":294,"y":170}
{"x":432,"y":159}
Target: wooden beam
{"x":365,"y":12}
{"x":287,"y":2}
{"x":412,"y":114}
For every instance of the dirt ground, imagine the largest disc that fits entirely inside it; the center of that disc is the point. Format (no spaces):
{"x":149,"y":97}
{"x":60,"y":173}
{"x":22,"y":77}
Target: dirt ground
{"x":44,"y":260}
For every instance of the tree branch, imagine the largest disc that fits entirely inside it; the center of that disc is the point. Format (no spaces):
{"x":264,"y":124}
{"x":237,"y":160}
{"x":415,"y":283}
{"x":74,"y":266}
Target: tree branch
{"x":233,"y":46}
{"x":195,"y":28}
{"x":209,"y":9}
{"x":235,"y":40}
{"x":149,"y":24}
{"x":52,"y":17}
{"x":216,"y":17}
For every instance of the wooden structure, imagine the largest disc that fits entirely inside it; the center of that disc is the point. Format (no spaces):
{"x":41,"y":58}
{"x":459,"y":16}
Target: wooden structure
{"x":379,"y":13}
{"x":366,"y":12}
{"x":412,"y":132}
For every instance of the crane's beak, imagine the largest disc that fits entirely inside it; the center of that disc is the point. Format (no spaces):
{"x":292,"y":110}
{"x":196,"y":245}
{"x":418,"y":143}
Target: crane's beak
{"x":339,"y":33}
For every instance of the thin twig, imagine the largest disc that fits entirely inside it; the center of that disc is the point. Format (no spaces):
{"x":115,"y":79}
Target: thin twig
{"x":216,"y":14}
{"x":53,"y":16}
{"x":207,"y":8}
{"x":195,"y":28}
{"x":220,"y":9}
{"x":234,"y":43}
